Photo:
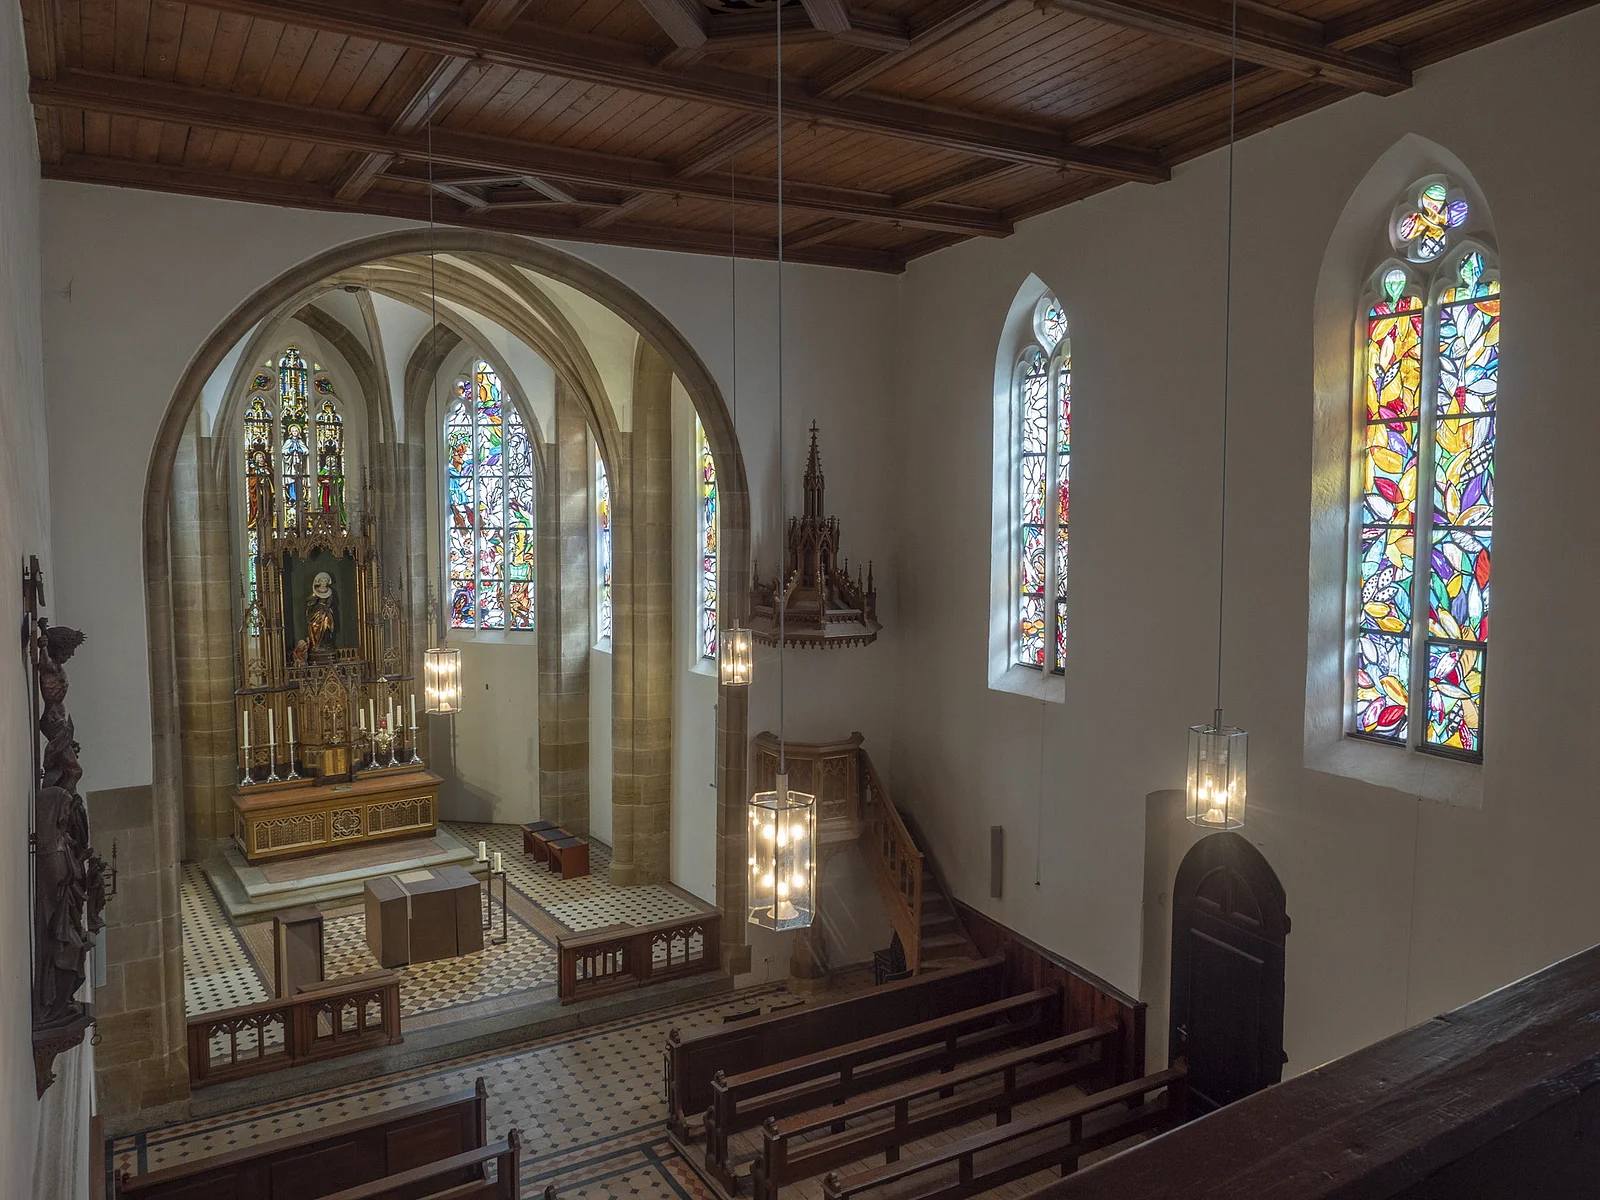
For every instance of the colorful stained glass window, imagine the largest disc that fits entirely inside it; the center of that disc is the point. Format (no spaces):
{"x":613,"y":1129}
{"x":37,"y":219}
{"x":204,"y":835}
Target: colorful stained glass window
{"x":489,"y":484}
{"x":294,"y":447}
{"x":1043,"y":408}
{"x":602,"y":545}
{"x":707,"y":483}
{"x":330,"y":460}
{"x":259,"y":489}
{"x":1426,"y":481}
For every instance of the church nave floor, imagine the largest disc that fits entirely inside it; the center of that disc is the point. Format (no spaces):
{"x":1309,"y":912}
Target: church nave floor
{"x":227,"y":965}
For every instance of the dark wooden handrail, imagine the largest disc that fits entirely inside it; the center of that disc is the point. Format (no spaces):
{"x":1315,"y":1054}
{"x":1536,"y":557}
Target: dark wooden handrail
{"x":506,"y":1154}
{"x":894,"y":859}
{"x":299,"y":1023}
{"x":620,"y":958}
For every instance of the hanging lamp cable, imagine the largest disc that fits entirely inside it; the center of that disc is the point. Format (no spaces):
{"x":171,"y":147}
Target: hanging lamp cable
{"x":1227,"y":348}
{"x":783,"y":520}
{"x":442,"y":629}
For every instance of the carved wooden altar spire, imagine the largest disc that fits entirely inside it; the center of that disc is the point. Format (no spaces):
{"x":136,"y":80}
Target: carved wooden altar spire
{"x":823,"y":606}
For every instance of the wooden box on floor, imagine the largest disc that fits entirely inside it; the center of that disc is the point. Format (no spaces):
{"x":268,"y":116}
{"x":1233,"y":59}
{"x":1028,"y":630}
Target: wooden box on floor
{"x":569,"y":857}
{"x":532,"y":837}
{"x":297,"y":949}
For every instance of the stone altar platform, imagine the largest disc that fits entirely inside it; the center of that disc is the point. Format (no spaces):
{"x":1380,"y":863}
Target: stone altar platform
{"x":254,"y":893}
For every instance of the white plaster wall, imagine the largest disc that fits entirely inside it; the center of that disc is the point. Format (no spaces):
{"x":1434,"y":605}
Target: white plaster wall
{"x":152,"y":275}
{"x":25,"y":529}
{"x":600,"y":744}
{"x":1401,"y":908}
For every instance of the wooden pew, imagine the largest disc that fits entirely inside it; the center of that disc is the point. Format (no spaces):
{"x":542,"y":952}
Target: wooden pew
{"x":997,"y":1156}
{"x":792,"y":1151}
{"x":692,"y":1061}
{"x":442,"y":1180}
{"x":744,"y":1101}
{"x":320,"y":1162}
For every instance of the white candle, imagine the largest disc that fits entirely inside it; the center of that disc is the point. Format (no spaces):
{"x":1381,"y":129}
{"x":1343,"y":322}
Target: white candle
{"x":499,"y":864}
{"x":272,"y":729}
{"x":372,"y":714}
{"x":291,"y":724}
{"x":247,"y":731}
{"x":413,"y":710}
{"x":391,"y":712}
{"x":483,"y":850}
{"x":362,"y":713}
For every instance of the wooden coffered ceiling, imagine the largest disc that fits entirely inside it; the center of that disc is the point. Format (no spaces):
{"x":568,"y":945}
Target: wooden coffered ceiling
{"x":909,"y":124}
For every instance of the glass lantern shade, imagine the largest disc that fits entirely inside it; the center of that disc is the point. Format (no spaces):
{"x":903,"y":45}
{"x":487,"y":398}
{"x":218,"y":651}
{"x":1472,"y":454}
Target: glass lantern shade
{"x":442,"y":680}
{"x":1216,"y":796}
{"x":734,"y":657}
{"x":783,"y":873}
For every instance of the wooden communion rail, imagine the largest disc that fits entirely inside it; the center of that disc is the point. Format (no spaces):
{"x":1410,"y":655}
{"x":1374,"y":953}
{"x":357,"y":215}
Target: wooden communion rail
{"x":342,"y":1016}
{"x":620,"y":958}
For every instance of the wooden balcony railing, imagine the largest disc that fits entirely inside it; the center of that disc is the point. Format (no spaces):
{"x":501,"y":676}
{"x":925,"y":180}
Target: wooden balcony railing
{"x":620,"y":958}
{"x":894,"y":859}
{"x":342,"y":1016}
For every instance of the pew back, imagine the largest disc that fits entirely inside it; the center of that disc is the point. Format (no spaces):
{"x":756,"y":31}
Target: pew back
{"x":320,"y":1162}
{"x":459,"y":1177}
{"x":693,"y":1060}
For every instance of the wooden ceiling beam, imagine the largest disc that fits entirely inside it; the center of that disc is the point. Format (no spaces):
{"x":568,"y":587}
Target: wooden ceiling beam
{"x":1280,"y":40}
{"x":184,"y":105}
{"x":1392,"y":20}
{"x":830,"y":16}
{"x":684,"y":21}
{"x":41,"y":35}
{"x":941,"y":20}
{"x":583,"y":57}
{"x":284,"y":193}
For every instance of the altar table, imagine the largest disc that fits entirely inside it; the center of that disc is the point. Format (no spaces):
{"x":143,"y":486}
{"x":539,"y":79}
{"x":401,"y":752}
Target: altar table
{"x":303,"y":816}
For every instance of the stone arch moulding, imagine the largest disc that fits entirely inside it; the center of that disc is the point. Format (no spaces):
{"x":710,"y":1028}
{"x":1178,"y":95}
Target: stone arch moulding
{"x":1356,"y":244}
{"x":288,"y":292}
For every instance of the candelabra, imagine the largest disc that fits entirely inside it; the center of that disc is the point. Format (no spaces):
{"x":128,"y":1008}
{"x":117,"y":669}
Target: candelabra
{"x":272,"y":758}
{"x":293,"y":772}
{"x":416,"y":759}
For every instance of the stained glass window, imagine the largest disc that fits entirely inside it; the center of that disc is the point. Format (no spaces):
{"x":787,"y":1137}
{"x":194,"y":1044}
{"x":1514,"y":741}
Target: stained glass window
{"x":1043,"y":408}
{"x":602,"y":543}
{"x":707,"y":483}
{"x":490,"y":534}
{"x":1426,"y":467}
{"x":285,"y":449}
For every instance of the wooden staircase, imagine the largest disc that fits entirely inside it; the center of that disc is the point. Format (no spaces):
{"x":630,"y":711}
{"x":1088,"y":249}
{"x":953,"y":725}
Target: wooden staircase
{"x":854,"y":806}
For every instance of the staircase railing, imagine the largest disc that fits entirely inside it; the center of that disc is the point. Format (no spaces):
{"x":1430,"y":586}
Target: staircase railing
{"x":894,"y":859}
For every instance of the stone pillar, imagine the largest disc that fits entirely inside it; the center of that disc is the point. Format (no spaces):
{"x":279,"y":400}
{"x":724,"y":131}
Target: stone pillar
{"x":204,"y":585}
{"x":141,"y":1059}
{"x":641,"y":637}
{"x":566,"y":618}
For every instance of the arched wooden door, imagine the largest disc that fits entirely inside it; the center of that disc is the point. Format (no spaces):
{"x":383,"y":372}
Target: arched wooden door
{"x":1229,"y":926}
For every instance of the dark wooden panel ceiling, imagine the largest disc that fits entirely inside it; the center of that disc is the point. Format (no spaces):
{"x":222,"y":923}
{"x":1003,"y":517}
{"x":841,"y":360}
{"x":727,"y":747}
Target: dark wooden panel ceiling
{"x":910,"y":124}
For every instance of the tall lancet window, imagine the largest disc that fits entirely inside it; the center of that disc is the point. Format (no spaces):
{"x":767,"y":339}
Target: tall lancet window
{"x":706,"y":482}
{"x":602,"y":548}
{"x":1431,"y":329}
{"x":489,"y":482}
{"x":1042,"y":408}
{"x":285,"y":449}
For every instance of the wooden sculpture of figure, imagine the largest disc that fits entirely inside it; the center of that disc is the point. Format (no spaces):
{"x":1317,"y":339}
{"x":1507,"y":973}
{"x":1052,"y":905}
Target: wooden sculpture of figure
{"x":322,"y":619}
{"x":53,"y":647}
{"x":61,"y":884}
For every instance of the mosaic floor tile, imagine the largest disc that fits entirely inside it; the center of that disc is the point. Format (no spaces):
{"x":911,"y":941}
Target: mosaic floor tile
{"x":218,"y":972}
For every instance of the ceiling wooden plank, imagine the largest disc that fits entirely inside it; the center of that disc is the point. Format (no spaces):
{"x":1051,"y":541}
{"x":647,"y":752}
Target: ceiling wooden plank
{"x":1267,"y":38}
{"x":531,"y":222}
{"x":830,"y":16}
{"x":598,"y":60}
{"x":1500,"y":20}
{"x":1391,"y":21}
{"x":941,"y":20}
{"x":684,"y":21}
{"x":41,"y":33}
{"x":255,"y":117}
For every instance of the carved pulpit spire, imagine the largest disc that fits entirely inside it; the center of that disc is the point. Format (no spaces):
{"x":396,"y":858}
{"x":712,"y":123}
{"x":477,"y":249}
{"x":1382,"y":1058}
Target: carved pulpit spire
{"x":822,"y":605}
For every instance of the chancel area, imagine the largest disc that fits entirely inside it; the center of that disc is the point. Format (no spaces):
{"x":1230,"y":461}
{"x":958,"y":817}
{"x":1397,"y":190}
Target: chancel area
{"x":799,"y":599}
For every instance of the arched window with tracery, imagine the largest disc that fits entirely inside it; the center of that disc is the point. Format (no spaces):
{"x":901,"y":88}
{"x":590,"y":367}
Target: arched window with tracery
{"x":1425,"y":471}
{"x":278,"y":435}
{"x":1042,"y":420}
{"x":602,"y":550}
{"x":489,"y":486}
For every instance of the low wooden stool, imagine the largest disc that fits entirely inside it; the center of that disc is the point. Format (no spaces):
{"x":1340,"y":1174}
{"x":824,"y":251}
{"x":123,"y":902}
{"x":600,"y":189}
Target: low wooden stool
{"x":530,"y":833}
{"x":540,"y":839}
{"x":569,"y":856}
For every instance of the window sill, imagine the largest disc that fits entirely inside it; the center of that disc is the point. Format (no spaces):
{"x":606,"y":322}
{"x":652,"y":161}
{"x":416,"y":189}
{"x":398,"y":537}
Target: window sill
{"x":1025,"y":681}
{"x":706,"y":667}
{"x":1426,"y":776}
{"x":495,"y":637}
{"x":602,"y":647}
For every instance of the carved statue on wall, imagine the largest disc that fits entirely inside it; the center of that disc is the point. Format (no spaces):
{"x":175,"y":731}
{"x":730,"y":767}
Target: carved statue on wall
{"x":69,"y":893}
{"x":322,"y":620}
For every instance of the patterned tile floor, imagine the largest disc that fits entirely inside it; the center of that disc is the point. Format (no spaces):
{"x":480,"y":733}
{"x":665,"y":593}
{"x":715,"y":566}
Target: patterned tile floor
{"x":225,"y":966}
{"x":588,"y":1103}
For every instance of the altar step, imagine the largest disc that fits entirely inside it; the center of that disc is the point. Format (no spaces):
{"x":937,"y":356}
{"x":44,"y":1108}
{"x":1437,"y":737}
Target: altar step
{"x":254,"y":893}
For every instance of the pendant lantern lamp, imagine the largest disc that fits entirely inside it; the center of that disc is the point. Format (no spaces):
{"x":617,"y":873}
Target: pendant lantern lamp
{"x":734,"y":657}
{"x":782,"y":824}
{"x":442,"y":680}
{"x":783,"y":876}
{"x":1217,"y":752}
